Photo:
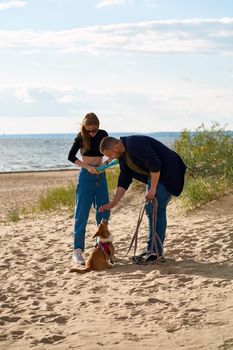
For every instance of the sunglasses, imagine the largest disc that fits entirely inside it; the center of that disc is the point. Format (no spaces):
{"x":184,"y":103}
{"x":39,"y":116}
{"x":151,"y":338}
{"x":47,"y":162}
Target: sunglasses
{"x":92,"y":131}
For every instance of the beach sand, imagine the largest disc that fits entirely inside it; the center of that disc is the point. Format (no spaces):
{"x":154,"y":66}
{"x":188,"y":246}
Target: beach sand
{"x":18,"y":190}
{"x":184,"y":303}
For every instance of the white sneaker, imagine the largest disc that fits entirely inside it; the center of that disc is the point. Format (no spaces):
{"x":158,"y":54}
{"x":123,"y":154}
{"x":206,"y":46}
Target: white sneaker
{"x":77,"y":256}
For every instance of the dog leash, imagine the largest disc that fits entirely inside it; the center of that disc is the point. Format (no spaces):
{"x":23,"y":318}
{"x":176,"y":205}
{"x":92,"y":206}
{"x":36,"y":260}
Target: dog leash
{"x":135,"y":235}
{"x":154,"y":234}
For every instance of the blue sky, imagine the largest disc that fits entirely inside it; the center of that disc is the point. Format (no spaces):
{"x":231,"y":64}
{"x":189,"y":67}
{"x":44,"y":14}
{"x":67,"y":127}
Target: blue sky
{"x":140,"y":65}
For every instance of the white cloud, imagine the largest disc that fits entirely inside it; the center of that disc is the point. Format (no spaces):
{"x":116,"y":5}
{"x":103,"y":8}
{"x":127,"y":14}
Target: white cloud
{"x":150,"y":3}
{"x":106,"y":3}
{"x":12,"y":4}
{"x":37,"y":125}
{"x":202,"y":36}
{"x":162,"y":110}
{"x":35,"y":94}
{"x":23,"y":95}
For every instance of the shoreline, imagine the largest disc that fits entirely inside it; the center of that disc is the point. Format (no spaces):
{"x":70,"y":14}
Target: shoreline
{"x":38,"y":171}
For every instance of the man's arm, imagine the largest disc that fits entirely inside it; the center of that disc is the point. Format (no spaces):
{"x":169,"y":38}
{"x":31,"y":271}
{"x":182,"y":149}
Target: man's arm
{"x":154,"y":182}
{"x":118,"y":195}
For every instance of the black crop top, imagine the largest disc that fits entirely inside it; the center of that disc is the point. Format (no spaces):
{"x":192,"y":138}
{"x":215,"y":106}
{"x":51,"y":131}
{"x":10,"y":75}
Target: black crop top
{"x":94,"y":146}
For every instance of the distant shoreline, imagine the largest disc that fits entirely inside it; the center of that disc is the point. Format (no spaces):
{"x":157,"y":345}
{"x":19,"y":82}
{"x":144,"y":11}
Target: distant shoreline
{"x":72,"y":135}
{"x":37,"y":171}
{"x":174,"y":134}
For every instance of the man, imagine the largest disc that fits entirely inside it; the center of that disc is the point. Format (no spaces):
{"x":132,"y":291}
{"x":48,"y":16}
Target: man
{"x":151,"y":162}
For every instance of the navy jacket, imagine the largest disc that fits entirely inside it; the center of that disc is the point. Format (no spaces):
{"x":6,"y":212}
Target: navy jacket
{"x":150,"y":155}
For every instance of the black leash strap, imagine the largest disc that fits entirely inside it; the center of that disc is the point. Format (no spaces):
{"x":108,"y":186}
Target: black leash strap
{"x":154,"y":233}
{"x":135,"y":235}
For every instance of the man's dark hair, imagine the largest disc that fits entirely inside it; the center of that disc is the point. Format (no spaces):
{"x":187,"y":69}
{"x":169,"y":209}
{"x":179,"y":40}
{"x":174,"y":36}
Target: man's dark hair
{"x":107,"y":143}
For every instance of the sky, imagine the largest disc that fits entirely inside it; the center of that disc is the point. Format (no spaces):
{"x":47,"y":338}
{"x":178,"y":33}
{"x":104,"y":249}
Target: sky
{"x":140,"y":65}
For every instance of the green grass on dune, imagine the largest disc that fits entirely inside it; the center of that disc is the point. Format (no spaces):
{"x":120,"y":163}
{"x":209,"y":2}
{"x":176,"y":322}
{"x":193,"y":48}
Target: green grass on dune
{"x":57,"y":198}
{"x":209,"y":157}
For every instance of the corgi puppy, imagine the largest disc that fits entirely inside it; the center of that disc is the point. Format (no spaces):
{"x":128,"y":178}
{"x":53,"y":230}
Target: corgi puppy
{"x":102,"y":256}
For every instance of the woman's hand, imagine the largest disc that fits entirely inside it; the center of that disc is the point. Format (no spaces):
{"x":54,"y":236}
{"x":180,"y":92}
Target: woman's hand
{"x":91,"y":169}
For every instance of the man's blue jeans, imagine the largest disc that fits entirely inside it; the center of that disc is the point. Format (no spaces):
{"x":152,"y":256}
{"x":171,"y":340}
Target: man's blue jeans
{"x":163,"y":197}
{"x":91,"y":190}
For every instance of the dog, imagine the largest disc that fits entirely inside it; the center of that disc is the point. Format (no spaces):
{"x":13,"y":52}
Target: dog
{"x":103,"y":255}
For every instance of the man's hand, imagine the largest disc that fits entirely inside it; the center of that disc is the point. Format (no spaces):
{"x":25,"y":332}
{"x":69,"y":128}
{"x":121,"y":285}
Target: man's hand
{"x":153,"y":186}
{"x":107,"y":206}
{"x":119,"y":194}
{"x":150,"y":195}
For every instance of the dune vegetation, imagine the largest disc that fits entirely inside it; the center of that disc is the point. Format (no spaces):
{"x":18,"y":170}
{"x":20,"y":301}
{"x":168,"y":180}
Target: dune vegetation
{"x":208,"y":155}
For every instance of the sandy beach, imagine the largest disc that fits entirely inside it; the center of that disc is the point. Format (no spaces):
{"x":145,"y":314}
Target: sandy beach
{"x":184,"y":303}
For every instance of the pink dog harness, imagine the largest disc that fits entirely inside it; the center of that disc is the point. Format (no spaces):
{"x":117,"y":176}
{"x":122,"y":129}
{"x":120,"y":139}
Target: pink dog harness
{"x":104,"y":247}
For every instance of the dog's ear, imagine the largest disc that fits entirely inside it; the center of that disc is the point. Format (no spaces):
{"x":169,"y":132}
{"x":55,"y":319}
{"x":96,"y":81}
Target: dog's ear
{"x":96,"y":235}
{"x":98,"y":232}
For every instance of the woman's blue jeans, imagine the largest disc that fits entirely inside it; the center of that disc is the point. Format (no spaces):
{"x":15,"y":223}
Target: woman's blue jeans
{"x":163,"y":198}
{"x":91,"y":190}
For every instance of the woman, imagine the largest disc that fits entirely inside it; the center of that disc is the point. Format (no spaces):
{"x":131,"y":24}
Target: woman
{"x":91,"y":187}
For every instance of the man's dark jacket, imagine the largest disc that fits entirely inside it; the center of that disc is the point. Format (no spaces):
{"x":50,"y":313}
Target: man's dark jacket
{"x":150,"y":155}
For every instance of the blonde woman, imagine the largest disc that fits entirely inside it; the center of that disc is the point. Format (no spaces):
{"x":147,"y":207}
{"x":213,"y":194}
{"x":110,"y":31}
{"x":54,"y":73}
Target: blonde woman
{"x":91,"y":187}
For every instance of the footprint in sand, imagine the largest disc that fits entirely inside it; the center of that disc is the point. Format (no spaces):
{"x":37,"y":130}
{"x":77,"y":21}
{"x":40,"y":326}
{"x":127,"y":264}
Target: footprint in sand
{"x":121,"y":318}
{"x":3,"y":337}
{"x":98,"y":289}
{"x":10,"y":318}
{"x":17,"y":334}
{"x":131,"y":337}
{"x":53,"y":318}
{"x":182,"y":280}
{"x":50,"y":339}
{"x":3,"y":297}
{"x":156,"y":301}
{"x":173,"y":327}
{"x":45,"y":258}
{"x":4,"y":267}
{"x":227,"y":345}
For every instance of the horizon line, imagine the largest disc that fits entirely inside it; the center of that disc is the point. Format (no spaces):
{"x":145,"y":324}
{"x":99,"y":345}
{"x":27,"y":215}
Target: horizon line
{"x":72,"y":133}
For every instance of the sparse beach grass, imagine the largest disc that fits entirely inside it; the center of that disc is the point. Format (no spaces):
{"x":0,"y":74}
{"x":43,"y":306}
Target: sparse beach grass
{"x":57,"y":198}
{"x":13,"y":215}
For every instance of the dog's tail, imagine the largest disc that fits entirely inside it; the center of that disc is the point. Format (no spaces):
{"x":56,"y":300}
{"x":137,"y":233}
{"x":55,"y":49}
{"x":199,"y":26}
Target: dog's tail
{"x":81,"y":270}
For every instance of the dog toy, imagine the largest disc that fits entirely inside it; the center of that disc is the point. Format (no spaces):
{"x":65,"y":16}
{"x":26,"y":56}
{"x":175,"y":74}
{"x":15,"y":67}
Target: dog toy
{"x":106,"y":166}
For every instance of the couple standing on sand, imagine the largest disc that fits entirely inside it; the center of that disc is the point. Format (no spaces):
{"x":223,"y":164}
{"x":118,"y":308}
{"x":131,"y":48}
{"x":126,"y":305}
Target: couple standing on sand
{"x":140,"y":157}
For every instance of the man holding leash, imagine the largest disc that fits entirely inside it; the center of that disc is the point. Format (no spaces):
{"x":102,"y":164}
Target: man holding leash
{"x":151,"y":162}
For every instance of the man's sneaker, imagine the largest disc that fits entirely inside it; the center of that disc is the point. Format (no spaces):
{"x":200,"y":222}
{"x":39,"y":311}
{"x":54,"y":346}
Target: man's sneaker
{"x":150,"y":258}
{"x":140,"y":256}
{"x":77,"y":257}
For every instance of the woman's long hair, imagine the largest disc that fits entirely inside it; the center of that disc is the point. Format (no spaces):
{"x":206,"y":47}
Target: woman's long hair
{"x":89,"y":119}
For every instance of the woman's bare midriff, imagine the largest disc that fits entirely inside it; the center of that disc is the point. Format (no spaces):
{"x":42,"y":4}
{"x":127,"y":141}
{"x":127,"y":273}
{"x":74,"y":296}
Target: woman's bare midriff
{"x":92,"y":160}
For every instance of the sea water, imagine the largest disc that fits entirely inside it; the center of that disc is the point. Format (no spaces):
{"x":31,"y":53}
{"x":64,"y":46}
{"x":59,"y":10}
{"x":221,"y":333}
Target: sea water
{"x":49,"y":151}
